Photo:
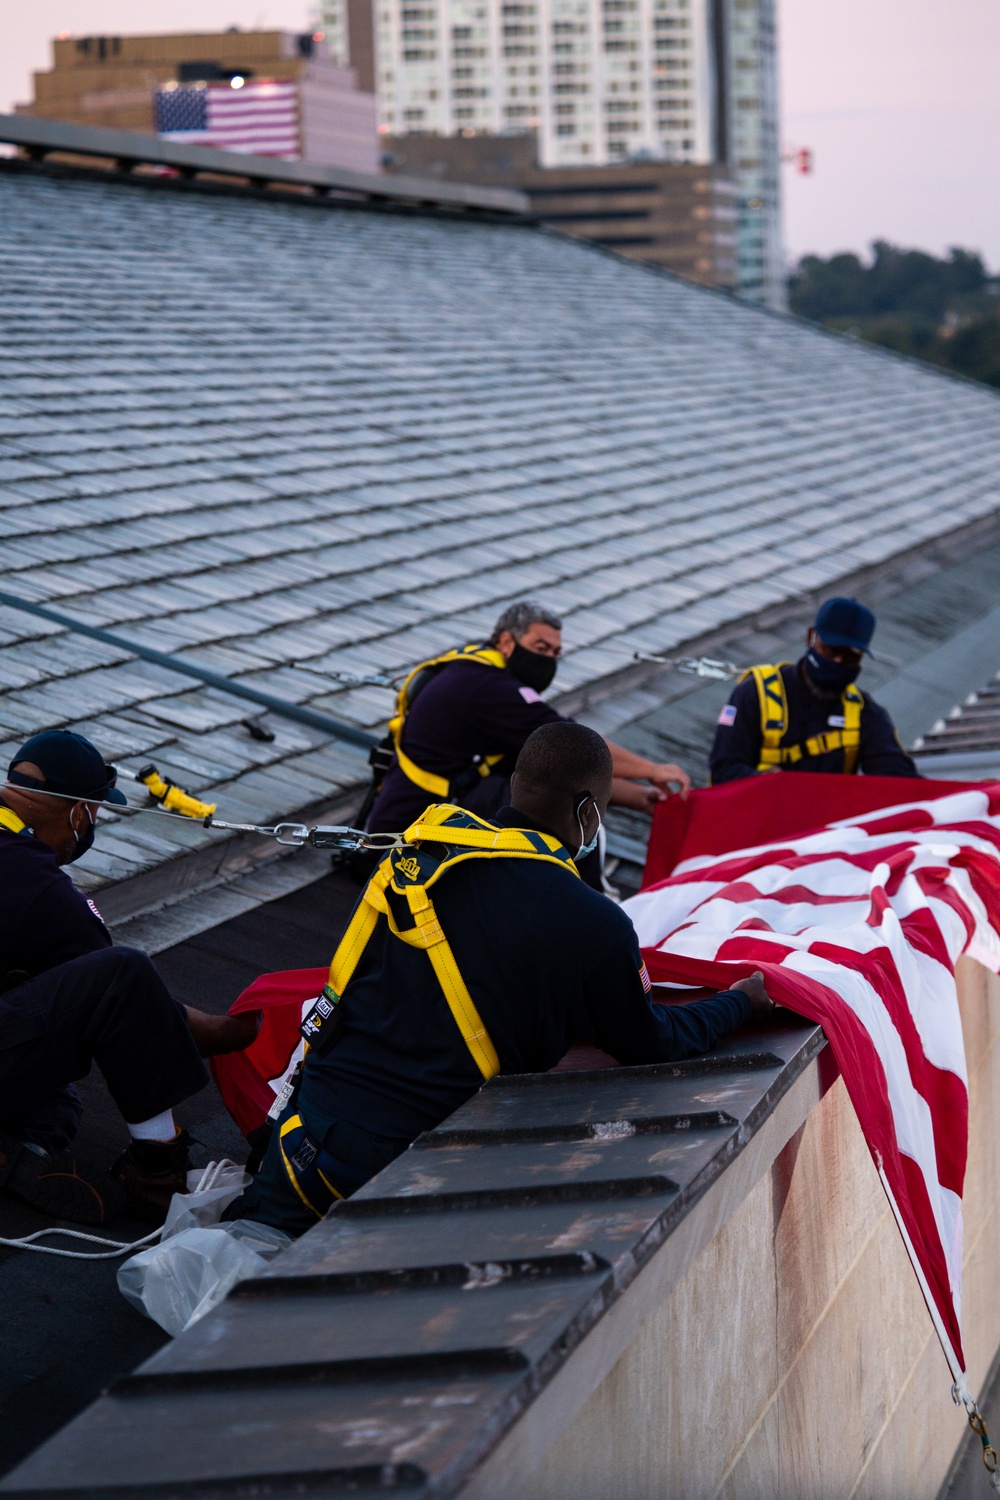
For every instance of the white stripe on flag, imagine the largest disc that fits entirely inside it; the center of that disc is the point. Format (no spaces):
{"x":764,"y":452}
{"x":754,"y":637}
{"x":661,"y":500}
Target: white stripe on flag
{"x":876,"y":921}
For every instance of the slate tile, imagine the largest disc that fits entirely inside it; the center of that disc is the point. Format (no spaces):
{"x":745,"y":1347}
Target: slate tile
{"x":284,"y":508}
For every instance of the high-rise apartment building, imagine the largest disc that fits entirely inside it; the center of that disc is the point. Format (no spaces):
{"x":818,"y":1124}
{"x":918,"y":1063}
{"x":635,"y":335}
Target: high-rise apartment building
{"x":747,"y":125}
{"x":598,"y":81}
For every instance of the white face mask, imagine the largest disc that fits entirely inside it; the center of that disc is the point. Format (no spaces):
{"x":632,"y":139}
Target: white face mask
{"x":84,"y":840}
{"x":587,"y":848}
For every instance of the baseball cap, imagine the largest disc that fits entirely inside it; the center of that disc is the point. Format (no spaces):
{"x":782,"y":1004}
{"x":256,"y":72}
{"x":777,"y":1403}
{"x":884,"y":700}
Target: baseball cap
{"x":69,"y":764}
{"x":845,"y":622}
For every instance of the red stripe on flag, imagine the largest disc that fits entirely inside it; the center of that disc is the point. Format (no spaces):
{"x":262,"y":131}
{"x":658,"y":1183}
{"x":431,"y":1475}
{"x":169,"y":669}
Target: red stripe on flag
{"x":865,"y":1081}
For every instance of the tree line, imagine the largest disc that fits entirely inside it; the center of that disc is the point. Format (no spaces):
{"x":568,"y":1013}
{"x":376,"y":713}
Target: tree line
{"x":944,"y":310}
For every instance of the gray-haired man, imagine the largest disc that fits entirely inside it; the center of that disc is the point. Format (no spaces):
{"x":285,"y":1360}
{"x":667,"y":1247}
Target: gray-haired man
{"x":463,"y":717}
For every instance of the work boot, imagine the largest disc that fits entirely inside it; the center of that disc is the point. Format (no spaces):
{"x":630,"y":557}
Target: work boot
{"x":59,"y":1184}
{"x":214,"y":1035}
{"x":152,"y":1172}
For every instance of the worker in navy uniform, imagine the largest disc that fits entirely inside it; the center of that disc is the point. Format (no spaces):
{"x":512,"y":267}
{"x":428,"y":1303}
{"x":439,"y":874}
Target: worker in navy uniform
{"x":69,"y":998}
{"x":810,"y":715}
{"x":475,"y":950}
{"x":462,"y":718}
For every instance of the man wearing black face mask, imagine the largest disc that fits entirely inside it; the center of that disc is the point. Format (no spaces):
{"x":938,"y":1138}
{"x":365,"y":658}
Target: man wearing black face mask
{"x":809,"y":715}
{"x":69,"y":998}
{"x":462,"y":719}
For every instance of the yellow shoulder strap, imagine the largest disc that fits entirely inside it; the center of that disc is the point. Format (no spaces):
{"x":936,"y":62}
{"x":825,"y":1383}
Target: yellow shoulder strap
{"x":773,"y":712}
{"x":11,"y":821}
{"x":847,"y":739}
{"x":399,"y":891}
{"x":437,"y":786}
{"x":853,"y":702}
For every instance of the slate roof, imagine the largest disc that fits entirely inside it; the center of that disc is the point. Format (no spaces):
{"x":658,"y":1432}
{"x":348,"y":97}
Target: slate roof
{"x":280,"y":440}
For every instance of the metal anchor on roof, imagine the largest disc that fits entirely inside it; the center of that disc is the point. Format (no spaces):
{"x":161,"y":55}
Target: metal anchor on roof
{"x":694,"y":666}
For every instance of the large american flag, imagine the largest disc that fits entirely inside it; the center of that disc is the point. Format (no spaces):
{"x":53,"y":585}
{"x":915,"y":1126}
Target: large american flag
{"x":857,"y":911}
{"x":858,"y":925}
{"x":261,"y":118}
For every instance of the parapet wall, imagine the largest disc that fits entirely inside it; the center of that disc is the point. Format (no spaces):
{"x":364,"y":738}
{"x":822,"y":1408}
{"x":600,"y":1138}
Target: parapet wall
{"x":680,"y":1281}
{"x":795,"y":1357}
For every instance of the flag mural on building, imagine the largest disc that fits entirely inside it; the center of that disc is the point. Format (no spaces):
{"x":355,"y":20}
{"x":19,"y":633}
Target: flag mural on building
{"x":260,"y":118}
{"x":857,"y":925}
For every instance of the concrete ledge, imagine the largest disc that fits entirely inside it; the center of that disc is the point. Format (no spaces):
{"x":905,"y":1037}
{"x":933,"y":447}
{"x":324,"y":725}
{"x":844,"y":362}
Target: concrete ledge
{"x":795,"y":1356}
{"x":680,"y":1280}
{"x":548,"y":1426}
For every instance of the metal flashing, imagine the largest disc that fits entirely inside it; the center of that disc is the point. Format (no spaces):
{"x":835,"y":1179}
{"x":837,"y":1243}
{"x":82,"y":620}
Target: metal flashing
{"x":127,"y":150}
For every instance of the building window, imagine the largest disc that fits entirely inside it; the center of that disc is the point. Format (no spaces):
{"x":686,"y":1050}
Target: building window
{"x":562,"y":129}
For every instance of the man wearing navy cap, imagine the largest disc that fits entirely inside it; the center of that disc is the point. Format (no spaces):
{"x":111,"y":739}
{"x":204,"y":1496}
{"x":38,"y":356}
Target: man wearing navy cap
{"x":69,"y":998}
{"x":810,"y":715}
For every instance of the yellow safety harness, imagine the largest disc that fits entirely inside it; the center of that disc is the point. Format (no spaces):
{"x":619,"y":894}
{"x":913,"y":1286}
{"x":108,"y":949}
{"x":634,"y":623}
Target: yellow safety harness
{"x":774,"y":723}
{"x":438,"y":786}
{"x":11,"y":821}
{"x":441,"y":839}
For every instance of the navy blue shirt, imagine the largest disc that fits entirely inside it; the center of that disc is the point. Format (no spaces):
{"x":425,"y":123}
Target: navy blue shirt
{"x":44,"y":919}
{"x":737,"y":744}
{"x":466,"y":709}
{"x":548,"y":963}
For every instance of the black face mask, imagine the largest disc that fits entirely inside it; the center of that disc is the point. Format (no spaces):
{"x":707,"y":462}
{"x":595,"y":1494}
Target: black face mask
{"x":829,"y":676}
{"x":529,"y":667}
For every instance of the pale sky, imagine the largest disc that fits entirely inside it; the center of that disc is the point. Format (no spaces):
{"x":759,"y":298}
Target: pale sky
{"x":899,"y":100}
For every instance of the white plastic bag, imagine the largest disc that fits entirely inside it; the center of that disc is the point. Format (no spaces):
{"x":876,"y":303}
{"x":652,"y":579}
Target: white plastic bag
{"x":210,"y":1191}
{"x":182,"y":1278}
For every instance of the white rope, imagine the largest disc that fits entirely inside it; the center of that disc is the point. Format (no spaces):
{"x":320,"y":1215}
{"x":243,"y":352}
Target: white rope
{"x":121,"y":1247}
{"x":207,"y":1180}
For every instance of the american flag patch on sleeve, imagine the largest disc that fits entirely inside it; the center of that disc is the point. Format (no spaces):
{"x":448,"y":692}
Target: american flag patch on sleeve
{"x":728,"y":715}
{"x":644,"y":976}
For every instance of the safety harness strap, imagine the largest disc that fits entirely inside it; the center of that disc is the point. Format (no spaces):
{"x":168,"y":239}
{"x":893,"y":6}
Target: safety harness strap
{"x":442,"y":838}
{"x":439,"y":786}
{"x":773,"y":703}
{"x":301,"y":1158}
{"x":11,"y":821}
{"x":773,"y":713}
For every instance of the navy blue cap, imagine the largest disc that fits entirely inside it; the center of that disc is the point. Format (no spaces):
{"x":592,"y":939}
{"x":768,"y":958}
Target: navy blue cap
{"x":845,"y":622}
{"x":69,"y":764}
